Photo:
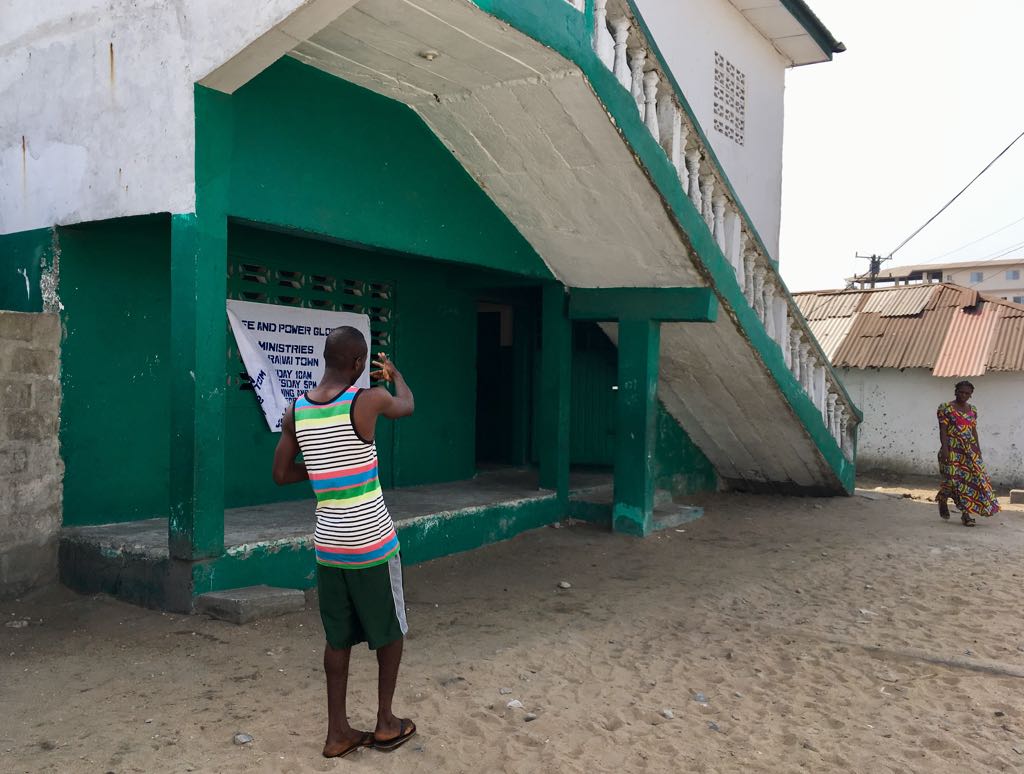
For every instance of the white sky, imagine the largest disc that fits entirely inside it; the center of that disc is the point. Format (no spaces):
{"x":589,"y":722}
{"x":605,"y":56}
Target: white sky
{"x":877,"y":140}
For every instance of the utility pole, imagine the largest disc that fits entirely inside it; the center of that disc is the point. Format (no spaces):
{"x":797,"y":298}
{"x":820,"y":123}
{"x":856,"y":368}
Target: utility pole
{"x":874,"y":265}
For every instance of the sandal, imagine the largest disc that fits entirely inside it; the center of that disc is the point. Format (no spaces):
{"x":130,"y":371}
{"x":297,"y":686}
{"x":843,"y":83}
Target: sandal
{"x":366,"y":740}
{"x":405,"y":731}
{"x":968,"y":520}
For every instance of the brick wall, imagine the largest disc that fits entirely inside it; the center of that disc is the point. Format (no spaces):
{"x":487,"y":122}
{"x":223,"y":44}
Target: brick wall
{"x":31,"y":470}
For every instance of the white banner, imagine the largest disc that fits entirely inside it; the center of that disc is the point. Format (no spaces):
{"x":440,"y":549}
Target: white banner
{"x":283,"y":350}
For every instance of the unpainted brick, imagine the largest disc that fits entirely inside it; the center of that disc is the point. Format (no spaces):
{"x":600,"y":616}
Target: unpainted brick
{"x":46,"y":330}
{"x":14,"y":394}
{"x":29,"y":425}
{"x":37,"y":362}
{"x":17,"y":326}
{"x":12,"y":461}
{"x":46,"y":395}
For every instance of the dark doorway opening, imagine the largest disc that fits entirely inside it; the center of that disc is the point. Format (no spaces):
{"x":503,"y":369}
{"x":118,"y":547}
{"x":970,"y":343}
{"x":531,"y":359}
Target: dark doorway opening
{"x":502,"y":384}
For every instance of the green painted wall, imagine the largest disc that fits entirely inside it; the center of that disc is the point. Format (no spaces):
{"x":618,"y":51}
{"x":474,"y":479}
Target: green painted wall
{"x":679,"y":465}
{"x":435,"y":347}
{"x":315,"y":153}
{"x":115,"y":415}
{"x":23,"y":258}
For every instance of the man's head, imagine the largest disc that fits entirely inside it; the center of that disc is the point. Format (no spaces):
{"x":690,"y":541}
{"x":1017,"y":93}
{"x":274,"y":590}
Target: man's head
{"x":345,"y":352}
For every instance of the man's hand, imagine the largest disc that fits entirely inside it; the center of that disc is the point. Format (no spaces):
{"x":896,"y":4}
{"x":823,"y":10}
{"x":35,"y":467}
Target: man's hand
{"x":386,"y":370}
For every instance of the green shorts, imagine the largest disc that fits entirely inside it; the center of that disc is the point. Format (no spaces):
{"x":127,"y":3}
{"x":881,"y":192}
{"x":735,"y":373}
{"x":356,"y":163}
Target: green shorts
{"x":366,"y":605}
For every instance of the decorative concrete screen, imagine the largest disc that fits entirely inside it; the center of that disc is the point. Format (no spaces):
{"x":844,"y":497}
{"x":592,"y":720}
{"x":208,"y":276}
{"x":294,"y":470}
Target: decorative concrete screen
{"x":291,"y":286}
{"x":730,"y":96}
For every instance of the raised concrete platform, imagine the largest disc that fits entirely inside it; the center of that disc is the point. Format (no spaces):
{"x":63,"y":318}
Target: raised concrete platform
{"x":1017,"y":497}
{"x":273,"y":544}
{"x":594,"y":504}
{"x":239,"y":606}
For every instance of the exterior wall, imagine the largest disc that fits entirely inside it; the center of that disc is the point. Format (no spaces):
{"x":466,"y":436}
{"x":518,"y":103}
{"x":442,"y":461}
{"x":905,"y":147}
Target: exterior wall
{"x":30,"y":463}
{"x":900,"y":432}
{"x":994,"y":280}
{"x":98,"y":120}
{"x":688,"y":35}
{"x":27,"y":270}
{"x":116,"y":411}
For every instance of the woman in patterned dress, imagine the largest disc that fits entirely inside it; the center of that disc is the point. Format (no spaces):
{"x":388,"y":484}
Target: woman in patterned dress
{"x":963,"y":472}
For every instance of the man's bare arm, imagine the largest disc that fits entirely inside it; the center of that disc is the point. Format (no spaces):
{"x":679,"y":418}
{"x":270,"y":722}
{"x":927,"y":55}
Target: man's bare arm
{"x":396,"y":406}
{"x":287,"y":470}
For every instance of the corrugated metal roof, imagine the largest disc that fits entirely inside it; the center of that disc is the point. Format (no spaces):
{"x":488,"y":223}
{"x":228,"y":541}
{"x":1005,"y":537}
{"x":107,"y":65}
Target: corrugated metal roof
{"x":953,"y":330}
{"x":900,"y":302}
{"x":965,"y":350}
{"x":830,"y":333}
{"x":1007,"y":350}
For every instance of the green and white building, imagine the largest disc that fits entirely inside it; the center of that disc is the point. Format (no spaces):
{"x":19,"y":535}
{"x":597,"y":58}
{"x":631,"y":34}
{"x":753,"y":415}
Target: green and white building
{"x":561,"y":218}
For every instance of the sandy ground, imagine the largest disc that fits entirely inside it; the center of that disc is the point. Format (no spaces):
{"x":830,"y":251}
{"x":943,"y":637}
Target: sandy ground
{"x":783,"y":634}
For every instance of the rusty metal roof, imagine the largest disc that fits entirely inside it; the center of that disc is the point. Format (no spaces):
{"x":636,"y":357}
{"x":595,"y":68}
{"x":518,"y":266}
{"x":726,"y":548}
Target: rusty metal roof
{"x":965,"y":350}
{"x":830,"y":333}
{"x":953,"y":330}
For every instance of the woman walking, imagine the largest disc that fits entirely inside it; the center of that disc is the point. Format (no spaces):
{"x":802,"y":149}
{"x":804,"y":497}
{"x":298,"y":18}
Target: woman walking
{"x":963,"y":472}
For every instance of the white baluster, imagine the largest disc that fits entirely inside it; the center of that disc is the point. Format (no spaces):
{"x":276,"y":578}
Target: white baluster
{"x":620,"y":29}
{"x":759,"y":292}
{"x":794,"y":351}
{"x":718,"y":213}
{"x":806,"y":367}
{"x":604,"y":44}
{"x":844,"y":436}
{"x":833,"y":415}
{"x":819,"y":386}
{"x":769,"y":309}
{"x":785,"y":325}
{"x":637,"y":57}
{"x":670,"y":129}
{"x":741,"y":271}
{"x":707,"y":191}
{"x":733,"y":230}
{"x":651,"y":104}
{"x":748,"y":276}
{"x":693,"y":170}
{"x":684,"y":175}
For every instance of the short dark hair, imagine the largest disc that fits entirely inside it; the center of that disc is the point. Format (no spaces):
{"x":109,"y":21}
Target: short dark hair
{"x":344,"y":346}
{"x":966,"y":384}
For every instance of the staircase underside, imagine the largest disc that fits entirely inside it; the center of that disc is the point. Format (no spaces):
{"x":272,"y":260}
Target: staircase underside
{"x":525,"y":123}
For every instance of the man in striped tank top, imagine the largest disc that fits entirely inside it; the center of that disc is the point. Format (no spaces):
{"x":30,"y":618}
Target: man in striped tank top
{"x":359,"y":574}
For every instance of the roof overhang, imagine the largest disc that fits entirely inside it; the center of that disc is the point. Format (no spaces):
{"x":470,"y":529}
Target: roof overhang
{"x":793,"y":28}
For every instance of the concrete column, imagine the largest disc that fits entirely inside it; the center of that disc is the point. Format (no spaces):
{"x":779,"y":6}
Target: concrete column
{"x":199,"y":249}
{"x":555,"y":381}
{"x":198,"y":379}
{"x":636,"y":430}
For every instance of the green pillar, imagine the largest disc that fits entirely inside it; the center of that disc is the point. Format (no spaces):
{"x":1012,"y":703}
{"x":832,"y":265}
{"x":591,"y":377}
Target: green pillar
{"x":555,"y":377}
{"x":636,"y":430}
{"x":198,"y":379}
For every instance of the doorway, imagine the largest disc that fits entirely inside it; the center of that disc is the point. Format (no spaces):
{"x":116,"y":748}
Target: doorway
{"x":502,"y":385}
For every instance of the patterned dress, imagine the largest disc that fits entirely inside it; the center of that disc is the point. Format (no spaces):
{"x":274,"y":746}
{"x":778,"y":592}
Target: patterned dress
{"x":963,"y":475}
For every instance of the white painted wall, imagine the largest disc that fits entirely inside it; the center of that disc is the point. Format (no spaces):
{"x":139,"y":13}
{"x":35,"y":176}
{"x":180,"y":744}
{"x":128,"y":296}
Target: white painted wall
{"x":97,"y":117}
{"x":688,"y":34}
{"x":900,"y":432}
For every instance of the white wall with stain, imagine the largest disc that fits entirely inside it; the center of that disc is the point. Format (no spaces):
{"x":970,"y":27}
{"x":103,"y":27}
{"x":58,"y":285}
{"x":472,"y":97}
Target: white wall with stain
{"x":900,"y":432}
{"x":98,"y":102}
{"x":688,"y":34}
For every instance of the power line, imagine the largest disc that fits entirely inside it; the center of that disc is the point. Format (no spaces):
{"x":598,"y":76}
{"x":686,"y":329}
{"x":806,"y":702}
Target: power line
{"x":959,"y":193}
{"x":975,"y":241}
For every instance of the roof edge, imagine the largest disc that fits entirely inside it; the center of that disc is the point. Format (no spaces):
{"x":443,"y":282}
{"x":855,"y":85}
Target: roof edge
{"x":826,"y":41}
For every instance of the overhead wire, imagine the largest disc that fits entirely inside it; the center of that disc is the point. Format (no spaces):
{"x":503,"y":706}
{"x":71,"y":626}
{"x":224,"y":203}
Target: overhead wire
{"x":975,"y":241}
{"x":945,"y":206}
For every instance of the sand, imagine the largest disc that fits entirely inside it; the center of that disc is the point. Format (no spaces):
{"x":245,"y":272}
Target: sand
{"x":783,"y":634}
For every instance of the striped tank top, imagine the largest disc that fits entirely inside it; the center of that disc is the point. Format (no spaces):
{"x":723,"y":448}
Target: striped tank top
{"x":353,"y":526}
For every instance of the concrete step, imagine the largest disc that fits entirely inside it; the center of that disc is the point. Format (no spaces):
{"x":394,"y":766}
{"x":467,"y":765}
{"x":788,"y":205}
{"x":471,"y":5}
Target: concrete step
{"x":675,"y":514}
{"x":239,"y":606}
{"x":1017,"y":496}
